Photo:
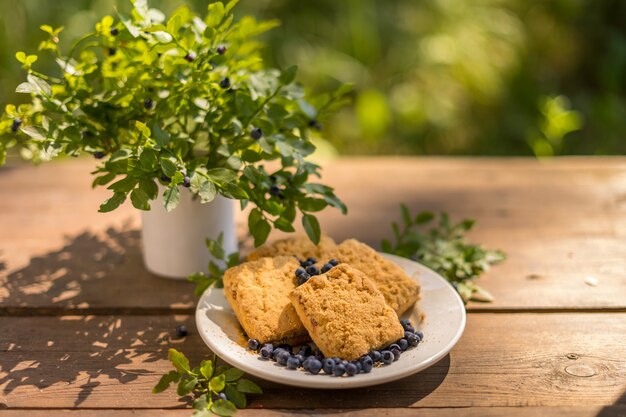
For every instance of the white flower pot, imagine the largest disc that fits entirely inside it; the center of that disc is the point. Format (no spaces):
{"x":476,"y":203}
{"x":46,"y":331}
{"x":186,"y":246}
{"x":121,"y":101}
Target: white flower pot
{"x":174,"y":242}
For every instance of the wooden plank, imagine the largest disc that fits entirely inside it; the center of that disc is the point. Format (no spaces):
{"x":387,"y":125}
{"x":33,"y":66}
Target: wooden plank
{"x":610,"y":411}
{"x":559,"y":221}
{"x":503,"y":360}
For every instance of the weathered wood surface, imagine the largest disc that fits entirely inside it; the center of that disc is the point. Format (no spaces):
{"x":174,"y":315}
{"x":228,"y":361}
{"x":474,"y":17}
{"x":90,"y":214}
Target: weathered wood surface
{"x":560,"y":222}
{"x":502,"y":360}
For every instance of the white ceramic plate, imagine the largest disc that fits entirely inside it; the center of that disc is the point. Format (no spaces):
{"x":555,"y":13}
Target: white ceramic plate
{"x":443,"y":324}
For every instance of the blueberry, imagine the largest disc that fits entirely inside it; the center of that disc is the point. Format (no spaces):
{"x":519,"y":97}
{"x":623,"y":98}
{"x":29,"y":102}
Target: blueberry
{"x":312,"y":270}
{"x":358,"y":366}
{"x":221,"y":49}
{"x":274,"y":190}
{"x":287,"y":347}
{"x":190,"y":57}
{"x":283,"y":357}
{"x":303,"y":278}
{"x":293,"y":362}
{"x":327,"y":267}
{"x":311,"y":260}
{"x":386,"y":356}
{"x":375,"y":355}
{"x":300,"y":357}
{"x":411,"y":338}
{"x":315,"y":366}
{"x":305,"y":350}
{"x":222,"y":396}
{"x":339,"y":369}
{"x":333,"y":262}
{"x":351,"y":369}
{"x":393,"y":346}
{"x":165,"y":178}
{"x":186,"y":181}
{"x":253,"y":344}
{"x":225,"y":83}
{"x":366,"y":364}
{"x":15,"y":126}
{"x":148,"y":103}
{"x":98,"y":154}
{"x":300,"y":271}
{"x":112,"y":51}
{"x":266,"y":351}
{"x":404,"y":344}
{"x":328,"y":365}
{"x":396,"y":354}
{"x":181,"y":331}
{"x":114,"y":32}
{"x":256,"y":133}
{"x":409,"y":328}
{"x":276,"y":352}
{"x":420,"y":335}
{"x":315,"y":124}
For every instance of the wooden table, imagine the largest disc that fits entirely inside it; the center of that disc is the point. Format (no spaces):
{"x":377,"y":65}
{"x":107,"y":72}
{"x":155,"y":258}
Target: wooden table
{"x":84,"y":328}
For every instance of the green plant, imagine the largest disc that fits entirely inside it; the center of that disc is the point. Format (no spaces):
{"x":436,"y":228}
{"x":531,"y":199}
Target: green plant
{"x":208,"y":383}
{"x":180,"y":102}
{"x":445,"y":249}
{"x":215,"y":269}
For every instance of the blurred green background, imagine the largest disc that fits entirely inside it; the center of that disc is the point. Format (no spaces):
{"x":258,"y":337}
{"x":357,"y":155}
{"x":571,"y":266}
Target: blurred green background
{"x":454,"y":77}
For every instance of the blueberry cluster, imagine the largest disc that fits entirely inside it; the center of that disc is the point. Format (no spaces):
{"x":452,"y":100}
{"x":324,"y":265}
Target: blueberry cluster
{"x":312,"y":360}
{"x":308,"y":269}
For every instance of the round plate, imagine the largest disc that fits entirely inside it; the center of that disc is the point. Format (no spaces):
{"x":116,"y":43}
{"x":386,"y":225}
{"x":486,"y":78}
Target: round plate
{"x":443,"y":322}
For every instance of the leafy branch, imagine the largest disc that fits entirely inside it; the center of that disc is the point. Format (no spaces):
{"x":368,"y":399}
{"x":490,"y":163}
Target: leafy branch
{"x":216,"y":268}
{"x":445,"y":249}
{"x":216,"y":389}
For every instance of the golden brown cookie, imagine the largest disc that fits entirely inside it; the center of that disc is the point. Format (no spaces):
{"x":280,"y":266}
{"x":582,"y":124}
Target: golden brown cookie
{"x":400,"y":291}
{"x":345,"y":313}
{"x":299,"y":246}
{"x":258,"y":291}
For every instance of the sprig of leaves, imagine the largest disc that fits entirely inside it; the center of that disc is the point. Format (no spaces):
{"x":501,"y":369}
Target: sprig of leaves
{"x":445,"y":249}
{"x":184,"y":101}
{"x":206,"y":382}
{"x":216,"y":268}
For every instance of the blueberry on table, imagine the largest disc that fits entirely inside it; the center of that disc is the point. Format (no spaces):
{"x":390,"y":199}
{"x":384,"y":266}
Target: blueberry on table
{"x":282,"y":357}
{"x":314,"y":366}
{"x":351,"y":369}
{"x":186,"y":181}
{"x":328,"y":365}
{"x":254,"y":344}
{"x":148,"y":103}
{"x":366,"y":364}
{"x":274,"y":190}
{"x":114,"y":32}
{"x":256,"y":133}
{"x":221,"y":49}
{"x":396,"y":354}
{"x":225,"y":83}
{"x":190,"y":57}
{"x":266,"y":350}
{"x":312,"y":270}
{"x":375,"y":355}
{"x":404,"y":344}
{"x":339,"y":369}
{"x":181,"y":331}
{"x":293,"y":362}
{"x":15,"y":126}
{"x":386,"y":356}
{"x":98,"y":154}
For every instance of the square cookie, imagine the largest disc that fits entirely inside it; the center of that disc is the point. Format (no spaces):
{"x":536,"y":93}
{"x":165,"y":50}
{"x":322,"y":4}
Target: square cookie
{"x":299,"y":246}
{"x":345,"y":314}
{"x":258,"y":291}
{"x":400,"y":291}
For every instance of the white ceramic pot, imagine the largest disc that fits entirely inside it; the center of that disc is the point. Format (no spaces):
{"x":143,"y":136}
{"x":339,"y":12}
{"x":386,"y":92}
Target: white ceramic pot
{"x":174,"y":242}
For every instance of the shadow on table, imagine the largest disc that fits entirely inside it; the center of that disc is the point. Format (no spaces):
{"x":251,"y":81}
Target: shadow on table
{"x":100,"y":271}
{"x":618,"y":409}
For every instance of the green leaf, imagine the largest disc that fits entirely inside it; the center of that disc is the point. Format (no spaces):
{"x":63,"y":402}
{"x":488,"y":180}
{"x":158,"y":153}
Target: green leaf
{"x":236,"y":397}
{"x":215,"y":15}
{"x":165,"y":381}
{"x":186,"y":385}
{"x":311,"y":227}
{"x":42,"y":86}
{"x":288,"y":75}
{"x":149,"y":187}
{"x":124,"y":185}
{"x":201,"y":403}
{"x":406,"y":215}
{"x":260,"y":232}
{"x":112,"y":203}
{"x":424,"y":217}
{"x":223,"y":408}
{"x":215,"y":247}
{"x":26,"y":88}
{"x":217,"y":383}
{"x":233,"y":374}
{"x":248,"y":387}
{"x":169,"y":168}
{"x":207,"y":192}
{"x":171,"y":198}
{"x":161,"y":137}
{"x":34,"y":132}
{"x":139,"y":199}
{"x":206,"y":369}
{"x":312,"y":204}
{"x":221,"y":176}
{"x":179,"y":361}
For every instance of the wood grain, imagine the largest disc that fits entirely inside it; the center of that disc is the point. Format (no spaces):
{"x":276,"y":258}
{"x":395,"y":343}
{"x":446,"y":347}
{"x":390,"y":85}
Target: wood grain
{"x":559,"y":221}
{"x":503,"y":360}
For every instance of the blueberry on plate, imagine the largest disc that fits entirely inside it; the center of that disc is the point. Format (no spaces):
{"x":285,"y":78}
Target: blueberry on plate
{"x":328,"y":365}
{"x":393,"y":346}
{"x":306,"y":350}
{"x":351,"y":369}
{"x":314,"y":366}
{"x":303,"y":278}
{"x":396,"y":354}
{"x":339,"y":369}
{"x":404,"y":344}
{"x":293,"y":362}
{"x":300,"y":271}
{"x":386,"y":356}
{"x":327,"y":267}
{"x":312,"y":270}
{"x":276,"y":351}
{"x":366,"y":364}
{"x":333,"y":262}
{"x":254,"y":344}
{"x":412,"y":338}
{"x":266,"y":351}
{"x":375,"y":355}
{"x":420,"y":335}
{"x":282,"y":357}
{"x":358,"y":366}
